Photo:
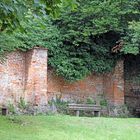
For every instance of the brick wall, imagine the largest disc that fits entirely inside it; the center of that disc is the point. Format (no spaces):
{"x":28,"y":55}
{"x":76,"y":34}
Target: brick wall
{"x":26,"y":75}
{"x":114,"y":84}
{"x":132,"y":82}
{"x":12,"y":78}
{"x":92,"y":86}
{"x":36,"y":76}
{"x":110,"y":85}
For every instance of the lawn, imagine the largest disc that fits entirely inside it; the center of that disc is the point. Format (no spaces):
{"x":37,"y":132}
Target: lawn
{"x":68,"y":128}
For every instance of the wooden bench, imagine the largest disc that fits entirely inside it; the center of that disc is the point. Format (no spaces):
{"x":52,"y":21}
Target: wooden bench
{"x":95,"y":109}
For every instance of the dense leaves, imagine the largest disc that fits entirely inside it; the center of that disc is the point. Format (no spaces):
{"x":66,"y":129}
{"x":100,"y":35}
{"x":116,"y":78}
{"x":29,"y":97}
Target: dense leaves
{"x":132,"y":39}
{"x":79,"y":41}
{"x":12,"y":12}
{"x":37,"y":32}
{"x":89,"y":33}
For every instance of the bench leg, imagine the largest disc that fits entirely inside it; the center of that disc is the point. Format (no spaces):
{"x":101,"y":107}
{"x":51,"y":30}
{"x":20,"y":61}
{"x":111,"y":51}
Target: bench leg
{"x":99,"y":114}
{"x":96,"y":113}
{"x":4,"y":111}
{"x":77,"y":113}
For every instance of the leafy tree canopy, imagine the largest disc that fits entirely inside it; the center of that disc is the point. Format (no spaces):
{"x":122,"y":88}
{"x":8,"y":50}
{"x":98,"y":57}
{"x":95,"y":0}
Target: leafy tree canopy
{"x":132,"y":39}
{"x":12,"y":12}
{"x":37,"y":32}
{"x":89,"y":33}
{"x":80,"y":41}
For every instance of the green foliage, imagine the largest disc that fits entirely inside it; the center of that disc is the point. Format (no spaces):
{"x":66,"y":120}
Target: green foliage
{"x":132,"y":45}
{"x":82,"y":41}
{"x":13,"y":12}
{"x":37,"y":32}
{"x":22,"y":104}
{"x":89,"y":33}
{"x":11,"y":108}
{"x":36,"y":36}
{"x":103,"y":102}
{"x":61,"y":105}
{"x":90,"y":101}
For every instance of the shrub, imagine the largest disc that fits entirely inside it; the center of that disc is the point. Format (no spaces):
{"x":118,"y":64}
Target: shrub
{"x":11,"y":108}
{"x":103,"y":102}
{"x":60,"y":105}
{"x":90,"y":101}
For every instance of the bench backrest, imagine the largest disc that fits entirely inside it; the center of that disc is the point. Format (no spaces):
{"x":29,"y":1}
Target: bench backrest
{"x":88,"y":107}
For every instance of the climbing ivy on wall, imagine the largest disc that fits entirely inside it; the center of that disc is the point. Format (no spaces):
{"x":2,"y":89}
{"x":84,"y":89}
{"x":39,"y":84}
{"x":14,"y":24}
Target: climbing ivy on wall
{"x":36,"y":32}
{"x":80,"y":41}
{"x":76,"y":62}
{"x":13,"y":12}
{"x":132,"y":39}
{"x":89,"y":33}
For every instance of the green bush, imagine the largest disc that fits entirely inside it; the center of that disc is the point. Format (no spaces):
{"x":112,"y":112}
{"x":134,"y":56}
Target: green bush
{"x":61,"y":105}
{"x":11,"y":108}
{"x":90,"y":101}
{"x":22,"y":104}
{"x":103,"y":102}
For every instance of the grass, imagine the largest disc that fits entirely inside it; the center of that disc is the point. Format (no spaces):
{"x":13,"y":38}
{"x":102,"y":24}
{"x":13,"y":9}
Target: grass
{"x":68,"y":128}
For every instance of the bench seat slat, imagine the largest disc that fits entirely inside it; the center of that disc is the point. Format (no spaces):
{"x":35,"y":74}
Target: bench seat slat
{"x":83,"y":105}
{"x":85,"y":108}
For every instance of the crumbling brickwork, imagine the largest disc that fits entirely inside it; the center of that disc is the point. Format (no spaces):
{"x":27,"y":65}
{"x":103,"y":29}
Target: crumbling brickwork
{"x":36,"y":76}
{"x":12,"y":78}
{"x":25,"y":74}
{"x":110,"y":85}
{"x":114,"y":84}
{"x":132,"y":83}
{"x":90,"y":87}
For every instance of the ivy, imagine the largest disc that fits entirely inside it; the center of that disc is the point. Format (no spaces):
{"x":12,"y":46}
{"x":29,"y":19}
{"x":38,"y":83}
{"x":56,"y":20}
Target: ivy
{"x":37,"y":32}
{"x":89,"y":33}
{"x":132,"y":42}
{"x":13,"y":12}
{"x":80,"y":41}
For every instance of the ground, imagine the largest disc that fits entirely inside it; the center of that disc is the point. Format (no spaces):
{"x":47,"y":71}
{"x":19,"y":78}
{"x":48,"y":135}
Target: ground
{"x":68,"y":128}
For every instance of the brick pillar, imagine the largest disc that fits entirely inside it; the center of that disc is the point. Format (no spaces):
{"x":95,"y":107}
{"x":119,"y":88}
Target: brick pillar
{"x":36,"y":76}
{"x":114,"y":84}
{"x":118,"y":83}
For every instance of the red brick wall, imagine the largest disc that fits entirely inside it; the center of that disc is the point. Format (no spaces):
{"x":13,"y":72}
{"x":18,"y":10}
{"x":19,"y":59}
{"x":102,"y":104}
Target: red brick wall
{"x":110,"y":85}
{"x":89,"y":87}
{"x":132,"y":82}
{"x":36,"y":76}
{"x":12,"y":77}
{"x":114,"y":84}
{"x":25,"y":75}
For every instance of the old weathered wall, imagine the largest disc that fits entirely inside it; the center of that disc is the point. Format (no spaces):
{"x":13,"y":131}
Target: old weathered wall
{"x":92,"y":86}
{"x":110,"y":85}
{"x":12,"y":78}
{"x":26,"y":75}
{"x":114,"y":84}
{"x":36,"y":76}
{"x":132,"y":82}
